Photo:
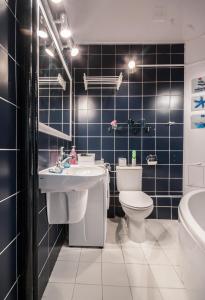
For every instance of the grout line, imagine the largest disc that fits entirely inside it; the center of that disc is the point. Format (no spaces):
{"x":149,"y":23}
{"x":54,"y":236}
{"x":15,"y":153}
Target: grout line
{"x":12,"y":241}
{"x":42,"y":209}
{"x":9,"y":197}
{"x":9,"y":102}
{"x":49,"y":254}
{"x":78,"y":264}
{"x":9,"y":292}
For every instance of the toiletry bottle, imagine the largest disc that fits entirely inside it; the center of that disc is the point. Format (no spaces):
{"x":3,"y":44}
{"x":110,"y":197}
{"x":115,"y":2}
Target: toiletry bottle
{"x":73,"y":153}
{"x":133,"y":157}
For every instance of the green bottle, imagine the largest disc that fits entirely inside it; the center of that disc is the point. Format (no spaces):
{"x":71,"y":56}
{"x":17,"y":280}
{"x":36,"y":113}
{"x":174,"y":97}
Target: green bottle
{"x":133,"y":157}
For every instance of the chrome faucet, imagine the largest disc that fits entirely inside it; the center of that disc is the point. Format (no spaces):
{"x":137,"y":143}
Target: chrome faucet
{"x":68,"y":157}
{"x":62,"y":154}
{"x":63,"y":158}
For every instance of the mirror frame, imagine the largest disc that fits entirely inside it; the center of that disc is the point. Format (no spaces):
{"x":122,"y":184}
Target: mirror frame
{"x":41,"y":126}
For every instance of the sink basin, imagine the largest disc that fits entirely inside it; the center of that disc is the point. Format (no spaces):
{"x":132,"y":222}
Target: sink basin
{"x":75,"y":178}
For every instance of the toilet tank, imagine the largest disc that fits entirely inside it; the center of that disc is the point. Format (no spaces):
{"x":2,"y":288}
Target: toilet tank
{"x":129,"y":178}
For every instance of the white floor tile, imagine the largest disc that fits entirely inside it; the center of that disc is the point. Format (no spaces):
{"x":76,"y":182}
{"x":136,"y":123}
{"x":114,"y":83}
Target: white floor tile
{"x":168,"y":241}
{"x":69,"y":254}
{"x":134,"y":255}
{"x":89,"y":273}
{"x":64,"y":272}
{"x":170,"y":294}
{"x":150,"y":241}
{"x":110,"y":245}
{"x":112,"y":255}
{"x":127,"y":243}
{"x":166,"y":277}
{"x":146,"y":294}
{"x":156,"y":228}
{"x":173,"y":255}
{"x":118,"y":293}
{"x":117,"y":226}
{"x":114,"y":274}
{"x":151,"y":268}
{"x":156,"y":256}
{"x":179,"y":272}
{"x":112,"y":238}
{"x":90,"y":255}
{"x":87,"y":292}
{"x":140,"y":275}
{"x":115,"y":230}
{"x":170,"y":224}
{"x":61,"y":291}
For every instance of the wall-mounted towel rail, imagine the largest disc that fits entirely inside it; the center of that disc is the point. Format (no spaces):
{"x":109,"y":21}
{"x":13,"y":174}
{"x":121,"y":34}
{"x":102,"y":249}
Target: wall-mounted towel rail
{"x":53,"y":80}
{"x":102,"y":81}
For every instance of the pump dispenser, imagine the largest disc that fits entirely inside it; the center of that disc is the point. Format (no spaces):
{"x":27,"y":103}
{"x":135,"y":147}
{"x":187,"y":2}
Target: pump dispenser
{"x":73,"y":153}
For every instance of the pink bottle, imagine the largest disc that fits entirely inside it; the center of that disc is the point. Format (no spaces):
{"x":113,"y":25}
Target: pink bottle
{"x":73,"y":153}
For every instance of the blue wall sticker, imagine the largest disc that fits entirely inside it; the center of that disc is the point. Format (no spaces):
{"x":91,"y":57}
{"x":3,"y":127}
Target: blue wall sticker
{"x":198,"y":121}
{"x":198,"y":85}
{"x":198,"y":103}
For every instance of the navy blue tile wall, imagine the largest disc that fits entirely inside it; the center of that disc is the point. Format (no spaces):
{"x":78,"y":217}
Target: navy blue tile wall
{"x":50,"y":237}
{"x":54,"y":102}
{"x":10,"y":193}
{"x":154,"y":94}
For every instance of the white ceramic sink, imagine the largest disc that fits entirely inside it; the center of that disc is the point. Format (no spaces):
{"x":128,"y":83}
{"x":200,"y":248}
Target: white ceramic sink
{"x":75,"y":178}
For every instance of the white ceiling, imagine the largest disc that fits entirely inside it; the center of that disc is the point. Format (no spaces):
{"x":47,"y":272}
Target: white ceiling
{"x":135,"y":21}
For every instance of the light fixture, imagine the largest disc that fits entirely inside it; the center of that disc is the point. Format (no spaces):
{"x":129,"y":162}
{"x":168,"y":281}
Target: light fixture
{"x":64,"y":30}
{"x":74,"y":51}
{"x":131,"y":64}
{"x":50,"y":50}
{"x":42,"y":33}
{"x":56,"y":1}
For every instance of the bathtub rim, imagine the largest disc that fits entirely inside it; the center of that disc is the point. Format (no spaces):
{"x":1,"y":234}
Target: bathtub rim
{"x":188,"y":221}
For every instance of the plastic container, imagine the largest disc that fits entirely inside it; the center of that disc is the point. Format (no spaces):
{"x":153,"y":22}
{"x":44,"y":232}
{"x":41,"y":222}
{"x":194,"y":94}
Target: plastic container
{"x":73,"y":153}
{"x":122,"y":161}
{"x":133,"y":158}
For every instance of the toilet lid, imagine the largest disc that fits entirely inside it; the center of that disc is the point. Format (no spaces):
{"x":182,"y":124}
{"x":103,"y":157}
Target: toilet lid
{"x":135,"y":199}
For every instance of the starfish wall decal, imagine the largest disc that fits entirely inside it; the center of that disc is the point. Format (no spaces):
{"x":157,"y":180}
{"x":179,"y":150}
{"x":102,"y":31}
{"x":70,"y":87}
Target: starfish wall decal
{"x":200,"y":103}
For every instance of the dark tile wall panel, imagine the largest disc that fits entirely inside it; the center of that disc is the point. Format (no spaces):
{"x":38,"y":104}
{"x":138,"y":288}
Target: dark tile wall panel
{"x":50,"y":237}
{"x":54,"y":105}
{"x":154,"y":94}
{"x":53,"y":111}
{"x":10,"y":193}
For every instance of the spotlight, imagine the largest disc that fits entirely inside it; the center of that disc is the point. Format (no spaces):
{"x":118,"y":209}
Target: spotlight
{"x":64,"y":30}
{"x":50,"y":50}
{"x":74,"y":51}
{"x":131,"y":64}
{"x":42,"y":33}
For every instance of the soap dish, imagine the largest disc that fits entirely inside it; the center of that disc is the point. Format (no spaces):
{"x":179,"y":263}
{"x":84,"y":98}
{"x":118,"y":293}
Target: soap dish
{"x":151,"y":160}
{"x":152,"y":163}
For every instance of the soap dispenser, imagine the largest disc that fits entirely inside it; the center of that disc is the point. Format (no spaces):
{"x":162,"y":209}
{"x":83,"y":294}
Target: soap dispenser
{"x":73,"y":154}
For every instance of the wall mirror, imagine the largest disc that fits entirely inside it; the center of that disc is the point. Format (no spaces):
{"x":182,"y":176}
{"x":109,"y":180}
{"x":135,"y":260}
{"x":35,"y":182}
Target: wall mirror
{"x":54,"y":82}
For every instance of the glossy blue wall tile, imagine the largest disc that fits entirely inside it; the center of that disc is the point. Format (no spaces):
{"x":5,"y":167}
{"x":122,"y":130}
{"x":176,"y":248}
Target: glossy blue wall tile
{"x":10,"y":232}
{"x":154,"y":94}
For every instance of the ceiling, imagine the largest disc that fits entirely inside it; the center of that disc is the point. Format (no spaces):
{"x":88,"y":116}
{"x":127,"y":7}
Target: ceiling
{"x":135,"y":21}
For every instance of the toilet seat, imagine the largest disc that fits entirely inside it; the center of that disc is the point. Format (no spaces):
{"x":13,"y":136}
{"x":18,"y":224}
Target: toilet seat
{"x":135,"y":200}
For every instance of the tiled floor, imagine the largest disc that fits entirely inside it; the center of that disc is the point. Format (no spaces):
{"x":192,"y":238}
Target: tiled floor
{"x":123,"y":270}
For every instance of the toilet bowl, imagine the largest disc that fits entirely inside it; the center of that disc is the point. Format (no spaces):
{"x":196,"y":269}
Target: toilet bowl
{"x":136,"y":204}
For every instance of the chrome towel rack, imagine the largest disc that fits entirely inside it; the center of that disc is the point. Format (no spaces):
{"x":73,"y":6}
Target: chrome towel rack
{"x":53,"y":80}
{"x":93,"y":82}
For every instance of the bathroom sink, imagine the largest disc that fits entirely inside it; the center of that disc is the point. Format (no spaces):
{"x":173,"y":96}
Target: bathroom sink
{"x":75,"y":178}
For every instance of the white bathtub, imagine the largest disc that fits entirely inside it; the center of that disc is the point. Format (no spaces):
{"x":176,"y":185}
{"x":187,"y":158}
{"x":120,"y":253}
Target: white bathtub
{"x":192,"y":241}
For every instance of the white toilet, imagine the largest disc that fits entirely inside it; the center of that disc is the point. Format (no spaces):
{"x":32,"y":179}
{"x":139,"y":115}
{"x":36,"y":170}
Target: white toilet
{"x":136,"y":204}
